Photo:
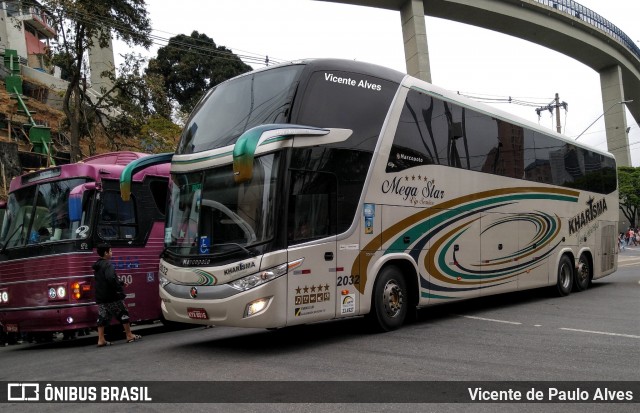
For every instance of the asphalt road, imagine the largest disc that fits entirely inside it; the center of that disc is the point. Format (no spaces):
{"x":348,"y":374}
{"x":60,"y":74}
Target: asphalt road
{"x":532,"y":336}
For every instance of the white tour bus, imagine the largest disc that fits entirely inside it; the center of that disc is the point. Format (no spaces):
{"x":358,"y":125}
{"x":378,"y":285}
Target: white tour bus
{"x":325,"y":189}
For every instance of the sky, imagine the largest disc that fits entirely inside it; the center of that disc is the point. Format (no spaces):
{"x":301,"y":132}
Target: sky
{"x":463,"y":58}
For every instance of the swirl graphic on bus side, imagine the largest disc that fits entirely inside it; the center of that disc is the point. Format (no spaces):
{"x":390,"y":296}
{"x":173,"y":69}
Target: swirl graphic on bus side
{"x":496,"y":269}
{"x":434,"y":232}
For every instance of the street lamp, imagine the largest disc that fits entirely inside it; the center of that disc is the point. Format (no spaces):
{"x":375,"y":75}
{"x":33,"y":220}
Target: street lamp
{"x":604,"y":113}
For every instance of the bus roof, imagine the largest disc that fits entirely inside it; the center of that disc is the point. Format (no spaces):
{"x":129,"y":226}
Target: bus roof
{"x":410,"y":81}
{"x":96,"y":168}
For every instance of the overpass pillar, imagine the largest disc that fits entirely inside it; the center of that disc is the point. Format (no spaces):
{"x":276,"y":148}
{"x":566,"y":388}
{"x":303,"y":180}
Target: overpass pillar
{"x":615,"y":120}
{"x":414,"y":35}
{"x":101,"y":60}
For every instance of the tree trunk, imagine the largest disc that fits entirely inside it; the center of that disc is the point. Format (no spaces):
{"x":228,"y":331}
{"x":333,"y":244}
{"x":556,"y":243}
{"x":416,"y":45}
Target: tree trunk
{"x":73,"y":116}
{"x":630,"y":214}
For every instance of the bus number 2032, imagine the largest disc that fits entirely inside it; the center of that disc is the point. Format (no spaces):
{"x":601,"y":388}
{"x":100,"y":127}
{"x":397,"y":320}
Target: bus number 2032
{"x":348,"y":280}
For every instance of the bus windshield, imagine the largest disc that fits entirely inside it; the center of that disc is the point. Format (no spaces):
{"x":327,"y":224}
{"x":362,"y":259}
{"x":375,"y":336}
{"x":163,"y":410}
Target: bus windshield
{"x":209,"y":213}
{"x":38,"y":214}
{"x":234,"y":107}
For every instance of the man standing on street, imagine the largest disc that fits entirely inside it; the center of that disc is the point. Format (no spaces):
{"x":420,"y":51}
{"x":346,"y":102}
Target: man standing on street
{"x":110,"y":296}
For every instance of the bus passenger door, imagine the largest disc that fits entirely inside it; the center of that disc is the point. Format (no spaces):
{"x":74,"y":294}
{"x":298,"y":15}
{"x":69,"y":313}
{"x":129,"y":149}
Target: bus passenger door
{"x":311,"y":234}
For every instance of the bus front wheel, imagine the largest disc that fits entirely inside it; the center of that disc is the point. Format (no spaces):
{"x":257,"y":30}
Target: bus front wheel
{"x":389,"y":300}
{"x":565,"y":276}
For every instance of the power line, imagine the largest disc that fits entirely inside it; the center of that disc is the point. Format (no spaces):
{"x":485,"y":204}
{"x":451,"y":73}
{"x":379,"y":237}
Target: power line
{"x":555,"y":104}
{"x":501,"y":99}
{"x":205,"y":50}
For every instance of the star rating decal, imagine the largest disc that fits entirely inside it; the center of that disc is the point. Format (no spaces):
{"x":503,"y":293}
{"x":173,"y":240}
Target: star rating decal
{"x":413,"y":178}
{"x":311,"y":295}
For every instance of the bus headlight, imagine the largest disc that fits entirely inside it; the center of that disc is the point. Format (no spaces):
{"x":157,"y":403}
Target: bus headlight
{"x":163,"y":281}
{"x":257,"y":279}
{"x":57,"y":292}
{"x":256,"y":307}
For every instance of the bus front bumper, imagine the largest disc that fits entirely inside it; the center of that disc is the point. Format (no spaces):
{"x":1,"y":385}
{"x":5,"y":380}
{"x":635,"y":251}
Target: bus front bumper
{"x":49,"y":319}
{"x":221,"y":305}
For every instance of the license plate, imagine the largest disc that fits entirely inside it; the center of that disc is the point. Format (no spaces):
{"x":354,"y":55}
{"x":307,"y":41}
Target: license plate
{"x":12,"y":328}
{"x":197,"y":313}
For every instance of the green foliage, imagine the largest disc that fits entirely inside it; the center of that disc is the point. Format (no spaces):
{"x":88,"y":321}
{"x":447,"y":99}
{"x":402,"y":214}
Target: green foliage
{"x":159,"y":135}
{"x":629,"y":192}
{"x":190,"y":65}
{"x":143,"y":110}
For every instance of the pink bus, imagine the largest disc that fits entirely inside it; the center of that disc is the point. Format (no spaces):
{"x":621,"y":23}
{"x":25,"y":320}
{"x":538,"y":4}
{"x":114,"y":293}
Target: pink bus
{"x":53,"y":220}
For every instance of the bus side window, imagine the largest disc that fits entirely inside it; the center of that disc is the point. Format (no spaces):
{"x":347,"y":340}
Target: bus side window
{"x":312,"y":206}
{"x":117,"y":218}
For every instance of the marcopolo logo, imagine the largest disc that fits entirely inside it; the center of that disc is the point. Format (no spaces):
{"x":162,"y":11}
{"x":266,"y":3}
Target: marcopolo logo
{"x":190,"y":262}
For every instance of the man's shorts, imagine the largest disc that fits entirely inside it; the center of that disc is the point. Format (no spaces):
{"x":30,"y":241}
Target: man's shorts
{"x":107,"y":311}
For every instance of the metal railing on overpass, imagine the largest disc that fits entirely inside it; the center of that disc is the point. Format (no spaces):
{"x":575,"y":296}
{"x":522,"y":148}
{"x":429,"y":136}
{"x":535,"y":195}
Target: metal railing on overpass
{"x":594,"y":19}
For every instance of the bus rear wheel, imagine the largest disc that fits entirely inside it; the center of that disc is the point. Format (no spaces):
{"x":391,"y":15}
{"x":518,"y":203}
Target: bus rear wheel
{"x":565,"y":276}
{"x":389,"y":300}
{"x":582,"y":277}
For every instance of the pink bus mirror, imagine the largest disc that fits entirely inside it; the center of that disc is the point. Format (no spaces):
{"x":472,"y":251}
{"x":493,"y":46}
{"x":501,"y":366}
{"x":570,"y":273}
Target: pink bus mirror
{"x":75,"y":200}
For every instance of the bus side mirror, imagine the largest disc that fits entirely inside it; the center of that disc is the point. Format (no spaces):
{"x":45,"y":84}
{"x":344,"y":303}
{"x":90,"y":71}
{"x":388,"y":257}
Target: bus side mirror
{"x":75,"y":200}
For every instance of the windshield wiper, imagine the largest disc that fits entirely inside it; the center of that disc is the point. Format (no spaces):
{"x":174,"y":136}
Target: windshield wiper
{"x":249,"y":253}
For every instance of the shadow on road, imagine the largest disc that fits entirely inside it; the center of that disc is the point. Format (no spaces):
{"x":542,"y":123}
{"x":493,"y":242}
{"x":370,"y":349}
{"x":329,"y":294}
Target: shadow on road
{"x":113,"y":333}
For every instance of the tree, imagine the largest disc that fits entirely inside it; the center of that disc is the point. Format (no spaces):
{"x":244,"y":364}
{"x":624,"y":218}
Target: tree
{"x":159,"y":134}
{"x":139,"y":109}
{"x":629,"y":192}
{"x":190,"y":65}
{"x":86,"y":24}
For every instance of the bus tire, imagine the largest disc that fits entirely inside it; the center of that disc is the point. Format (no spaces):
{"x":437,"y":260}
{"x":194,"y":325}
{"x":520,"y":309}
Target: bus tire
{"x":582,"y":277}
{"x":389,"y":301}
{"x":565,"y":276}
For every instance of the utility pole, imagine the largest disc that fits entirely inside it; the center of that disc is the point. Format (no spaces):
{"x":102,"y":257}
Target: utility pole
{"x":555,"y":104}
{"x":558,"y":125}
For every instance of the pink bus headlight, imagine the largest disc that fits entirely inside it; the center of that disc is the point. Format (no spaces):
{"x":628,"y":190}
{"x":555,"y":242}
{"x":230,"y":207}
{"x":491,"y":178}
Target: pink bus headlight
{"x":4,"y":296}
{"x":57,"y":292}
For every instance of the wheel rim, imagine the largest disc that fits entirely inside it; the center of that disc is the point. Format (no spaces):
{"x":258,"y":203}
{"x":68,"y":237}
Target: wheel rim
{"x":392,"y":298}
{"x":565,"y":276}
{"x":583,"y":271}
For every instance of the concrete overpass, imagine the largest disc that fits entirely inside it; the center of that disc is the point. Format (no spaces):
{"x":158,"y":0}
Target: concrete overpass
{"x":561,"y":25}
